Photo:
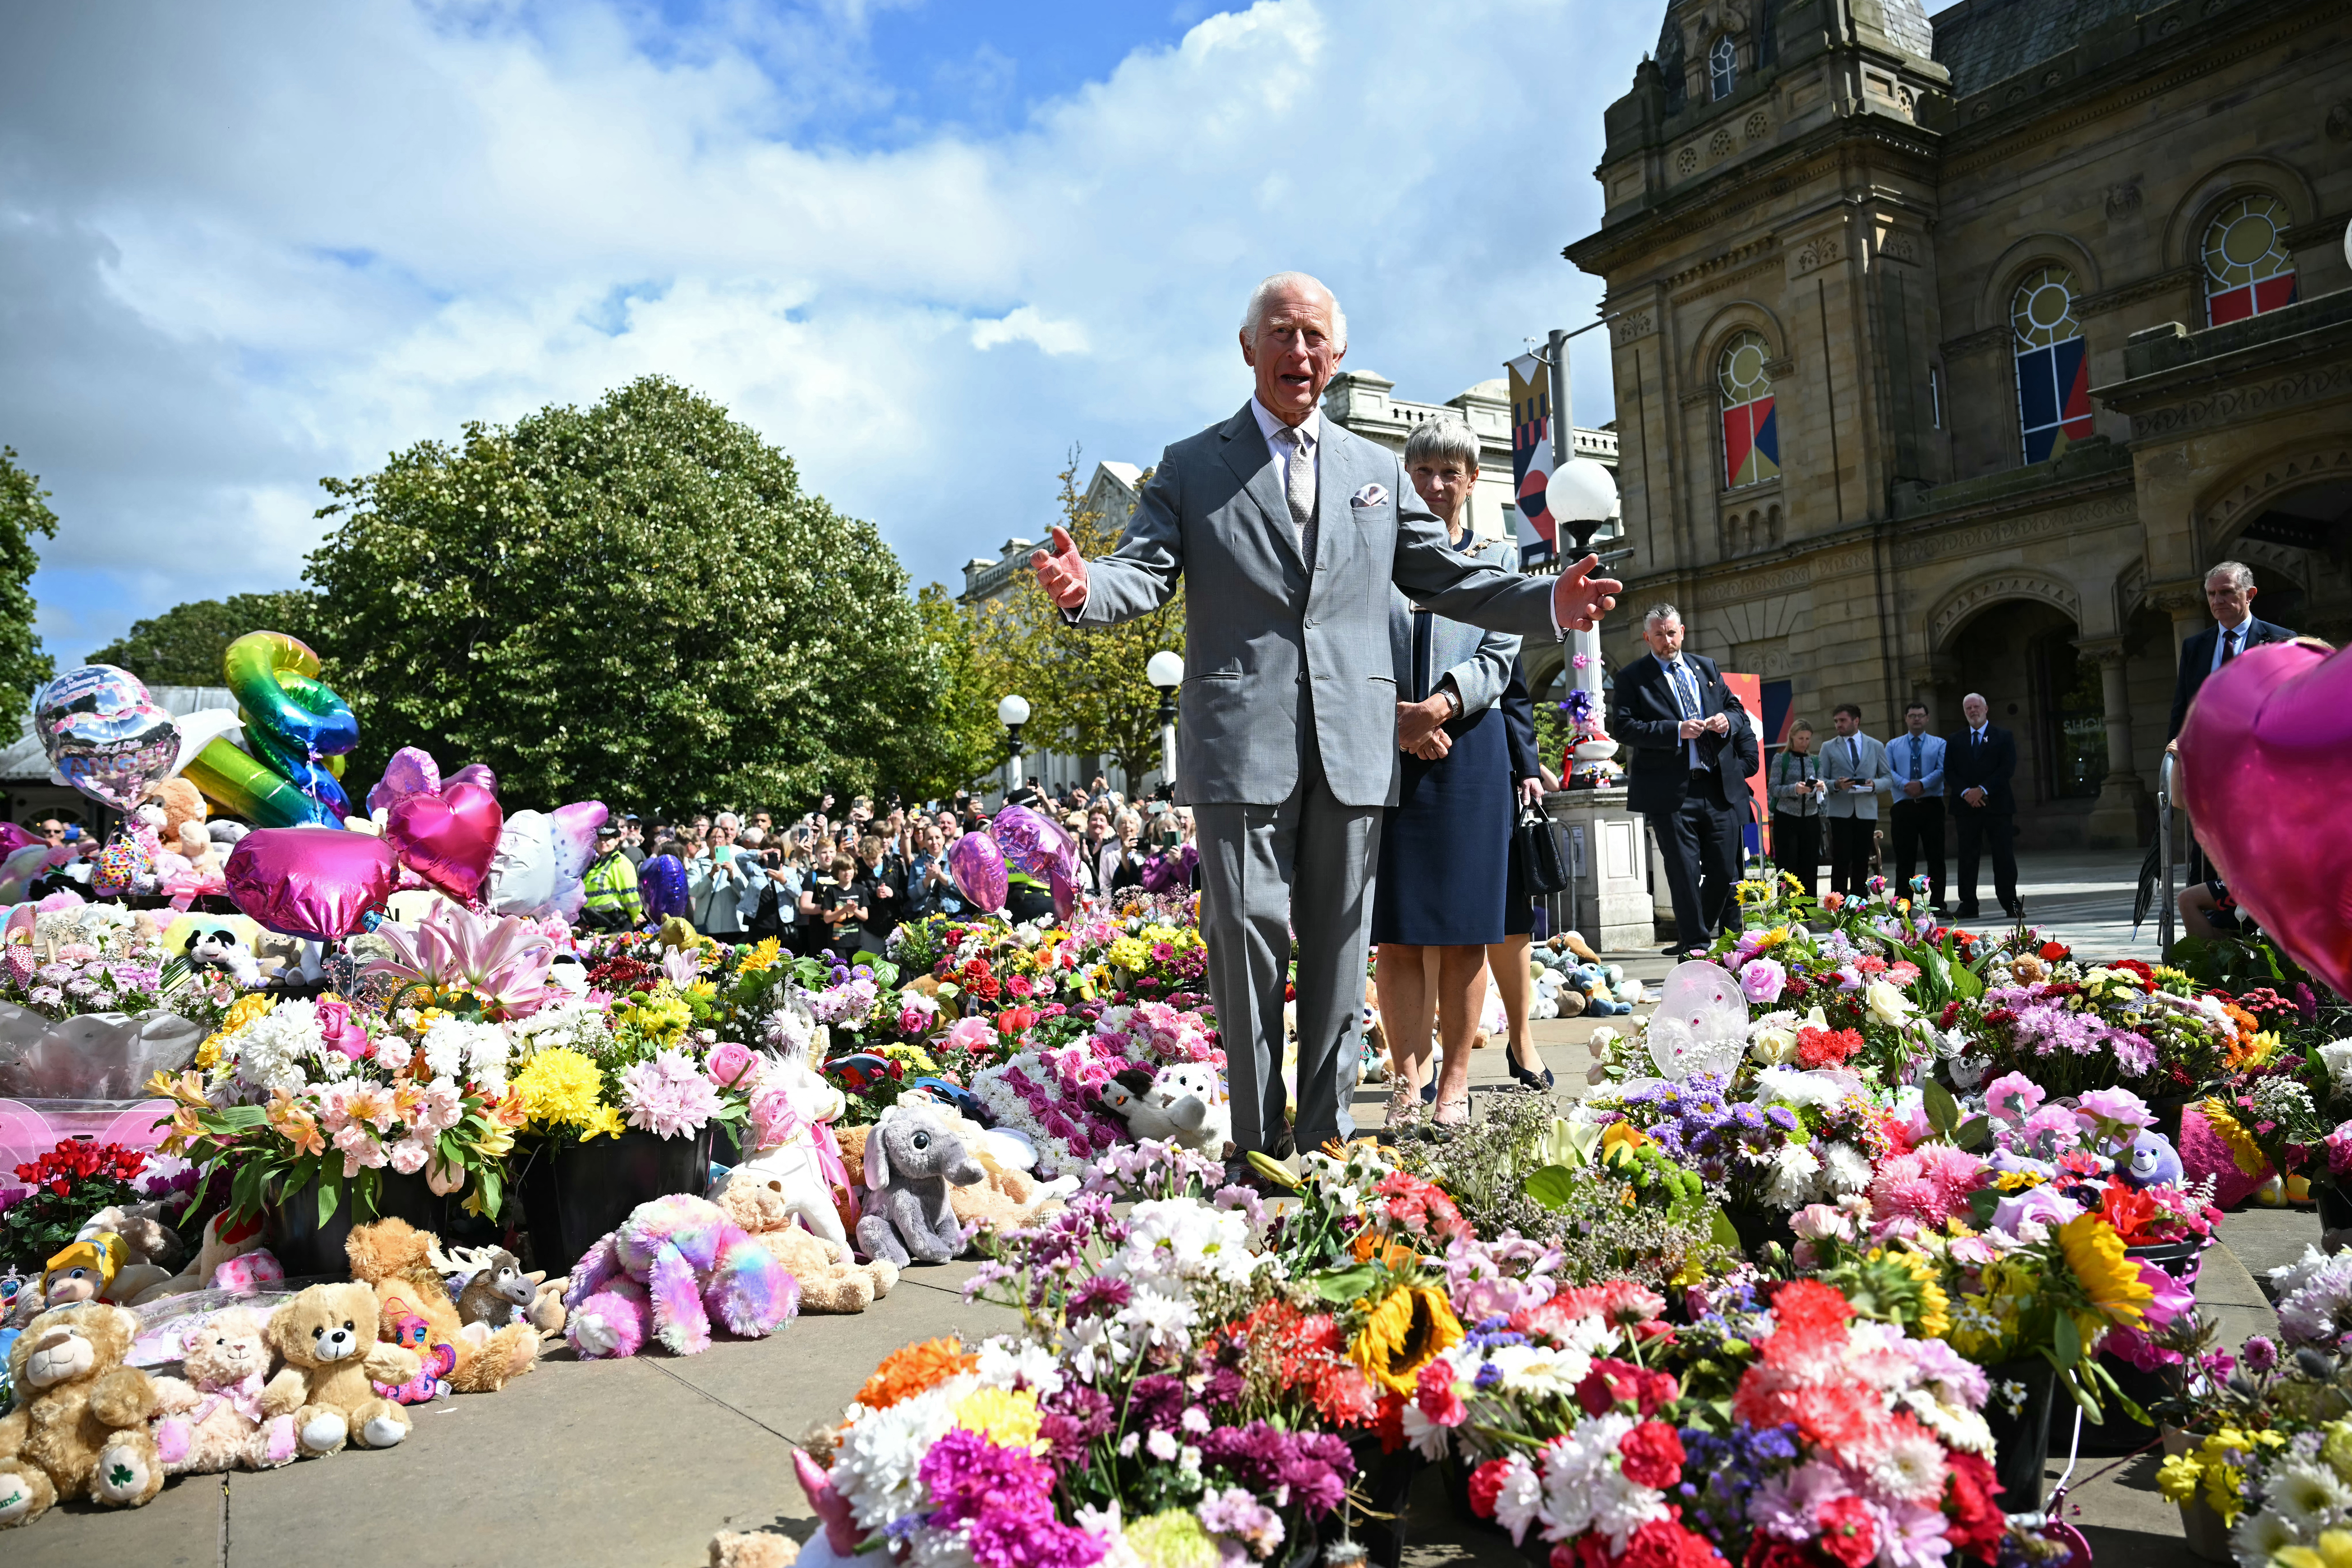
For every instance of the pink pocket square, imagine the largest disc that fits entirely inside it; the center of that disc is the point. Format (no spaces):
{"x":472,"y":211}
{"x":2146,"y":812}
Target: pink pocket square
{"x":1369,"y":495}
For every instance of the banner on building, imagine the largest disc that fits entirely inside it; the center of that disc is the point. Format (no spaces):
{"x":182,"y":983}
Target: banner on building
{"x":1531,"y":462}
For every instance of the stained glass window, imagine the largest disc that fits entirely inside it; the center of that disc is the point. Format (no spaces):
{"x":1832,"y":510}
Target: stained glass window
{"x":2054,"y":371}
{"x":2248,"y":268}
{"x":1723,"y":66}
{"x":1751,"y":440}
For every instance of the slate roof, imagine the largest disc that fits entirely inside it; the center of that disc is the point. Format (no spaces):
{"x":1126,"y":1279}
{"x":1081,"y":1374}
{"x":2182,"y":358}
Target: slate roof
{"x":1905,"y":24}
{"x":1982,"y":42}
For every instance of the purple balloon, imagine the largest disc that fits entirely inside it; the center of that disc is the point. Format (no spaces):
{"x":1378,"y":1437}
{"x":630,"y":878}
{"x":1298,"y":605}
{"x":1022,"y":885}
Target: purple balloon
{"x":309,"y":882}
{"x":410,"y":771}
{"x":1030,"y":843}
{"x":978,"y":866}
{"x":477,"y":774}
{"x":1065,"y":888}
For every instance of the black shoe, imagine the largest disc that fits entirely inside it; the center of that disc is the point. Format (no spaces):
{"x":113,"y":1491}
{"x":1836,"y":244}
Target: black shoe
{"x":1967,"y":912}
{"x":1528,"y":1079}
{"x":2017,"y":912}
{"x":1429,"y":1091}
{"x":1675,"y":950}
{"x":1280,"y":1146}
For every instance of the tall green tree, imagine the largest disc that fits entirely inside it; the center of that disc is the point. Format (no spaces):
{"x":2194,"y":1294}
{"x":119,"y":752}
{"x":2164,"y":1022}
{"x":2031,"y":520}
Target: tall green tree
{"x":635,"y":602}
{"x":183,"y":646}
{"x":967,"y":743}
{"x":1087,"y":691}
{"x":23,"y":512}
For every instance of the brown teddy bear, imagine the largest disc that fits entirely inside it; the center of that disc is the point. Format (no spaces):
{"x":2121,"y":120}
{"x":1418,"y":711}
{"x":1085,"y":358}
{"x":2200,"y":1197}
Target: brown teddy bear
{"x":79,"y":1428}
{"x":327,"y":1337}
{"x":403,"y":1265}
{"x":829,"y":1282}
{"x":183,"y":832}
{"x":212,"y":1418}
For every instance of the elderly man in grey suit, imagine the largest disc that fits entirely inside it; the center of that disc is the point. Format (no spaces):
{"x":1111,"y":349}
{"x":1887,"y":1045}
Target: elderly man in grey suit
{"x":1290,"y":531}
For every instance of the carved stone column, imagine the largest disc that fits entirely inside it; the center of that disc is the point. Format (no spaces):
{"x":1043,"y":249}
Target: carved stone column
{"x":2114,"y":820}
{"x":2185,"y":603}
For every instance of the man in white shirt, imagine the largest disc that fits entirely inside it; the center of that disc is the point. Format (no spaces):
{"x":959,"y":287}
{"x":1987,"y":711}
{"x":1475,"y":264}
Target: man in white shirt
{"x":1856,"y":767}
{"x":1914,"y":761}
{"x":2229,"y":594}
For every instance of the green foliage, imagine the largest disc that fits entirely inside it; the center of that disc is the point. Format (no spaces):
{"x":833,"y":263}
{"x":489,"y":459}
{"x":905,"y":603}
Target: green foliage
{"x":1086,"y":689}
{"x":969,"y":742}
{"x":23,"y":512}
{"x":635,"y":602}
{"x":183,"y":646}
{"x":2234,"y":963}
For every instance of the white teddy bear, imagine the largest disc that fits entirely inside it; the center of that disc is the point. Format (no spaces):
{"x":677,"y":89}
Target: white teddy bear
{"x":1181,"y":1104}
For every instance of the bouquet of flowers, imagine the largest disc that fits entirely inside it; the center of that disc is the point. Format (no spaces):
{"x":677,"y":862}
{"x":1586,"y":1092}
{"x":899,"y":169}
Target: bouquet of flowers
{"x":582,"y":1075}
{"x":1053,"y":1093}
{"x":68,"y":1184}
{"x":296,"y":1094}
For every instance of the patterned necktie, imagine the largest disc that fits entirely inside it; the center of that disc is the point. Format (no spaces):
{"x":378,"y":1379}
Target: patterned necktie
{"x":1916,"y":776}
{"x":1298,"y":483}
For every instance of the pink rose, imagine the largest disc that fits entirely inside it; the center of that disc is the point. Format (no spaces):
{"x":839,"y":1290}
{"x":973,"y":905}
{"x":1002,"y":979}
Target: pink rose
{"x":729,"y":1065}
{"x":342,"y":1032}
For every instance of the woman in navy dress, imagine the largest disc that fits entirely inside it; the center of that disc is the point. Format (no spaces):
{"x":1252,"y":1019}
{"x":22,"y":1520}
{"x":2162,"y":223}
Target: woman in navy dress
{"x":1445,"y":845}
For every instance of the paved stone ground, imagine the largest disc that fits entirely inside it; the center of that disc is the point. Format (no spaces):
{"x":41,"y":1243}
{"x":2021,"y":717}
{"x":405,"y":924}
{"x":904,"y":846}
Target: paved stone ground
{"x":639,"y":1462}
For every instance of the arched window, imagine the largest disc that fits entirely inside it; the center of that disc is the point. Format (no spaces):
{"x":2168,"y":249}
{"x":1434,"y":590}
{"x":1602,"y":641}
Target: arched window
{"x":1722,"y":68}
{"x":2248,"y":268}
{"x":1751,"y":441}
{"x":2053,"y":374}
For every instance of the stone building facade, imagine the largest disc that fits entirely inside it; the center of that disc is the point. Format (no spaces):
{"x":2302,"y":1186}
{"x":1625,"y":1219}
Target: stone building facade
{"x":1950,"y":352}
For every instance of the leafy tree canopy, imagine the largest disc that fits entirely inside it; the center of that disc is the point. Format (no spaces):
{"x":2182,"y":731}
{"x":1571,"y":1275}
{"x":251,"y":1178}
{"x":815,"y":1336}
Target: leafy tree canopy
{"x":183,"y":646}
{"x":635,"y":602}
{"x":23,"y":512}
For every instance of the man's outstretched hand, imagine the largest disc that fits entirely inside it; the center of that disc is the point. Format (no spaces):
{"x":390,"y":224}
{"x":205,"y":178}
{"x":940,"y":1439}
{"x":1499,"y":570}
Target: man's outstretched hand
{"x":1577,"y":600}
{"x":1062,"y":571}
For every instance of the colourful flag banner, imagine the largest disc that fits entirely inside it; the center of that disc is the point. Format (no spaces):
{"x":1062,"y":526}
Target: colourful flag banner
{"x":1531,"y":458}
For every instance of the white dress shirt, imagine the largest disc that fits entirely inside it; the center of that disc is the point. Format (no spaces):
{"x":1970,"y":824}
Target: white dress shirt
{"x":1676,"y":671}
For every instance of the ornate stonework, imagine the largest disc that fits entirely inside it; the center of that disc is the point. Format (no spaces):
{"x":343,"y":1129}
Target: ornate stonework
{"x":1957,"y":607}
{"x":2230,"y":405}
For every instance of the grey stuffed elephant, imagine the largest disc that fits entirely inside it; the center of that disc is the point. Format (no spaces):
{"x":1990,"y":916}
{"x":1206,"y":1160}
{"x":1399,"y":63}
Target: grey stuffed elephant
{"x":910,"y":1159}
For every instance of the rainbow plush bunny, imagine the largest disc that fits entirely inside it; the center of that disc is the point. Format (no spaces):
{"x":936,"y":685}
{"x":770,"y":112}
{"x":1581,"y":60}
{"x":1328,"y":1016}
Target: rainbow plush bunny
{"x":674,"y":1265}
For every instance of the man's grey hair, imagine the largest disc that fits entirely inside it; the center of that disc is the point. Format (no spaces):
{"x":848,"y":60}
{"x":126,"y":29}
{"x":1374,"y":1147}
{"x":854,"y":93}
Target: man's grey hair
{"x":727,"y":819}
{"x":1254,"y":315}
{"x":1658,"y":612}
{"x":2239,"y":575}
{"x":1444,"y":439}
{"x":1974,"y":698}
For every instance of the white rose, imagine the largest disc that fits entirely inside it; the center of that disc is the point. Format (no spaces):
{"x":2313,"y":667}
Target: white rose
{"x":1775,"y":1047}
{"x":2337,"y":1057}
{"x":1887,"y":1005}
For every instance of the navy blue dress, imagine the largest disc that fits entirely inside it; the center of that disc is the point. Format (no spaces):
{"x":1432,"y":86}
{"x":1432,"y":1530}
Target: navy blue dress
{"x":1445,"y":846}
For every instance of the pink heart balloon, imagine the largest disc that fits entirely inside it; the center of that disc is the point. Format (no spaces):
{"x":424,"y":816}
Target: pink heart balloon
{"x":410,"y":771}
{"x":309,"y":882}
{"x":2262,"y":761}
{"x":449,"y":839}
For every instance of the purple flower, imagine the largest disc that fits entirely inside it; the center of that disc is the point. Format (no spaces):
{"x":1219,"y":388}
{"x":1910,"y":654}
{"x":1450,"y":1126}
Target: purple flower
{"x":2262,"y":1355}
{"x":1762,"y":980}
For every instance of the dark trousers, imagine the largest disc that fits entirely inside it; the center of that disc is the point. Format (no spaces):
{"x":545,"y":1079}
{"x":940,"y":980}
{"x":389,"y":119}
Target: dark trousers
{"x":1980,"y":830}
{"x":1920,"y":835}
{"x":1699,"y":841}
{"x":1850,"y":838}
{"x":1797,"y":848}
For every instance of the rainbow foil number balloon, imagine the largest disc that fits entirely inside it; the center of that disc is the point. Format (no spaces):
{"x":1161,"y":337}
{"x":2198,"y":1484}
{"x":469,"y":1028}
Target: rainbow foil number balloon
{"x":297,"y":732}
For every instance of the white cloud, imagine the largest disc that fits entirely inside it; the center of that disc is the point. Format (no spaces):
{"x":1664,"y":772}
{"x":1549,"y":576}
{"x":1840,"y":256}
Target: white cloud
{"x":242,"y":247}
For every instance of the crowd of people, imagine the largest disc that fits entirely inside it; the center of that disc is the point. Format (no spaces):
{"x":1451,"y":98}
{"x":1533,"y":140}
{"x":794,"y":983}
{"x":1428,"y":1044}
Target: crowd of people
{"x":845,"y":882}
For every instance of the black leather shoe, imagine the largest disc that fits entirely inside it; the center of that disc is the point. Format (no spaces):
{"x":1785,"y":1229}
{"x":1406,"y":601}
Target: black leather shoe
{"x":1526,"y":1079}
{"x":1967,"y":912}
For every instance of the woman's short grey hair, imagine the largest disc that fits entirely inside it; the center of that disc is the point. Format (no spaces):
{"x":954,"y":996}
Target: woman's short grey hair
{"x":1442,"y":439}
{"x":1660,"y":612}
{"x":1254,"y":314}
{"x":2238,"y":573}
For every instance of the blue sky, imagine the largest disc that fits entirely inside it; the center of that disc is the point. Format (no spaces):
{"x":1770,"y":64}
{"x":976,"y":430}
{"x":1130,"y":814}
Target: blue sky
{"x":924,"y":246}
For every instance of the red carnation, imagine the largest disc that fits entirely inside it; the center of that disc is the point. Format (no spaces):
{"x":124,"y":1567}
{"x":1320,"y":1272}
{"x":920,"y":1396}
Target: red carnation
{"x":1809,"y":1304}
{"x":1973,"y":1501}
{"x":1664,"y":1543}
{"x":1848,"y":1534}
{"x":1650,"y":1454}
{"x":1486,"y":1486}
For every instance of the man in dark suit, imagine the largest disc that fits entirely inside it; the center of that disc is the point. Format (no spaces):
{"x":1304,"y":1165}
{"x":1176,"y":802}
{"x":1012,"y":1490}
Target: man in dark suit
{"x":1736,"y":762}
{"x":1979,"y":765}
{"x":2229,"y":594}
{"x":1670,"y":709}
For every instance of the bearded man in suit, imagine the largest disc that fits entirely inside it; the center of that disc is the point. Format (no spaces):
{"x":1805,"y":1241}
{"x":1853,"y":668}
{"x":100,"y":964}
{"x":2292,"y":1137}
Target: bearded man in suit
{"x":1288,"y":531}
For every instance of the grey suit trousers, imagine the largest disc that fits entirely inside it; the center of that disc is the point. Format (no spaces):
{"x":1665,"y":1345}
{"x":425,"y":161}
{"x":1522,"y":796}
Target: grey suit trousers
{"x":1253,"y":859}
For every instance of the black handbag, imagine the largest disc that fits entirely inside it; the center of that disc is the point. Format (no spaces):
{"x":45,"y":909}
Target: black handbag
{"x":1543,"y":854}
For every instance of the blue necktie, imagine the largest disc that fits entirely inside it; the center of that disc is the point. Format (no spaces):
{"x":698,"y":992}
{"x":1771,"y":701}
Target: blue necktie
{"x":1687,"y":693}
{"x":1915,"y":776}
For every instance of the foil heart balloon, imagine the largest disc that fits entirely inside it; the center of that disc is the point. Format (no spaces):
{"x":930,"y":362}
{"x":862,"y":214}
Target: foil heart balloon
{"x":309,"y":882}
{"x":978,"y":866}
{"x":449,"y":839}
{"x":103,"y":734}
{"x":410,"y":771}
{"x":2261,"y":762}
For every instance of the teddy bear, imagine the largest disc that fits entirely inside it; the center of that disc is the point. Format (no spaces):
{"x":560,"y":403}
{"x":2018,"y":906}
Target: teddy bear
{"x":675,"y":1264}
{"x":911,"y":1159}
{"x":1007,"y":1193}
{"x":226,"y":1243}
{"x":1180,"y":1103}
{"x":79,"y":1426}
{"x":212,"y":1418}
{"x":182,"y":834}
{"x":829,"y":1280}
{"x":151,"y":1249}
{"x":794,"y":1145}
{"x":327,"y":1338}
{"x":406,"y":1269}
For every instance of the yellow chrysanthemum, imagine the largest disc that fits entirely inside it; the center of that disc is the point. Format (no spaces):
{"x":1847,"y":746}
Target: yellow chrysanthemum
{"x":1006,"y":1417}
{"x":1130,"y":954}
{"x":1410,"y":1328}
{"x":603,"y":1122}
{"x":762,"y":957}
{"x":2110,"y":1277}
{"x":560,"y":1087}
{"x":1771,"y":939}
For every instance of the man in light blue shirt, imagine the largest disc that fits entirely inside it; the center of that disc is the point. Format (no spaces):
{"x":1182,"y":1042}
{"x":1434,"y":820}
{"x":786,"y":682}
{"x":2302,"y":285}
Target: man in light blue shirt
{"x":1916,"y":760}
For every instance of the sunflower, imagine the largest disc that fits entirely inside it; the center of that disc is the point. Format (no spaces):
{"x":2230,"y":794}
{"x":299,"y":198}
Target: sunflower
{"x":2106,"y":1272}
{"x":2247,"y":1154}
{"x":1410,"y":1328}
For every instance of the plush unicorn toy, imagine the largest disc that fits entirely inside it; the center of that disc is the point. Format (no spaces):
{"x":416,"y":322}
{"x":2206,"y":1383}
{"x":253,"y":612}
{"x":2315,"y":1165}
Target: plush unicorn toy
{"x":674,"y":1265}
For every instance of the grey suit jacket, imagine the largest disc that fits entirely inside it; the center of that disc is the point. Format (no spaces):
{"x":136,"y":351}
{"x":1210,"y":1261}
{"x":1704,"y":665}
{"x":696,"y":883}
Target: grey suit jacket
{"x":1271,"y":651}
{"x":1479,"y":661}
{"x":1859,"y":758}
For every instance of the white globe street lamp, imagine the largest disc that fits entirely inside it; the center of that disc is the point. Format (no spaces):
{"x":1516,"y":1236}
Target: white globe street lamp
{"x":1013,"y":712}
{"x":1165,"y":670}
